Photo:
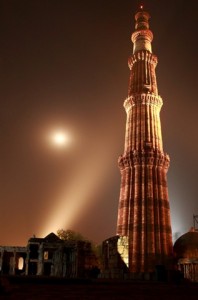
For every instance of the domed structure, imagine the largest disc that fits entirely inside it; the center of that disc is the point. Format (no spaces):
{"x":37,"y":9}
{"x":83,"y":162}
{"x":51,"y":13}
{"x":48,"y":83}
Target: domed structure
{"x":186,"y":252}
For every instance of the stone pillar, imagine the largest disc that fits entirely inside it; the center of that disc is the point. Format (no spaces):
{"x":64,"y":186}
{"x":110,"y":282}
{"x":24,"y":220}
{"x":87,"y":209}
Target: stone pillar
{"x":40,"y":266}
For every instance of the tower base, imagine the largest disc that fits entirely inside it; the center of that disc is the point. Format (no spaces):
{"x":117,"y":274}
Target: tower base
{"x":116,"y":264}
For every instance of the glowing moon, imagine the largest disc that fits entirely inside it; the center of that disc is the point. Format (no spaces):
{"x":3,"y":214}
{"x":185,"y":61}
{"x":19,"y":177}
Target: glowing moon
{"x":60,"y":138}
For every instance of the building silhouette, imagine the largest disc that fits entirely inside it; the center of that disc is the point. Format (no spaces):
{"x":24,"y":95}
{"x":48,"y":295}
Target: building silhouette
{"x":144,"y":236}
{"x":49,"y":256}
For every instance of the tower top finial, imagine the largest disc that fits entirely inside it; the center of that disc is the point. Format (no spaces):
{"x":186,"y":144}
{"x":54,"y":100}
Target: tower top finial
{"x":142,"y":19}
{"x":142,"y":37}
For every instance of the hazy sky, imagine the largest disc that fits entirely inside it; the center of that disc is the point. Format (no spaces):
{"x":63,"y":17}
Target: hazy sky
{"x":63,"y":65}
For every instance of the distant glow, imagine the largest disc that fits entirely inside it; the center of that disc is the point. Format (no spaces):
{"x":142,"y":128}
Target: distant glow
{"x":60,"y":138}
{"x":141,"y":6}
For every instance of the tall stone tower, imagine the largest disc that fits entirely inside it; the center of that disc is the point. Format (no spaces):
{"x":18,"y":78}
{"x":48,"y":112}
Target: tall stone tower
{"x":144,"y":213}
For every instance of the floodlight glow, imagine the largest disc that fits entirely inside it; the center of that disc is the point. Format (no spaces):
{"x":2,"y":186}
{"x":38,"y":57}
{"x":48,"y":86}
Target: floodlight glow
{"x":77,"y":194}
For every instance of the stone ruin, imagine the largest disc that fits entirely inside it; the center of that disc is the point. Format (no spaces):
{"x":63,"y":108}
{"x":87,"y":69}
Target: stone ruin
{"x":49,"y":256}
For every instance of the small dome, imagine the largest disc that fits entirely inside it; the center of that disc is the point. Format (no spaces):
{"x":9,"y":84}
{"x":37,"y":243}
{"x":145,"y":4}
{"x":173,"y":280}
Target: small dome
{"x":187,"y":245}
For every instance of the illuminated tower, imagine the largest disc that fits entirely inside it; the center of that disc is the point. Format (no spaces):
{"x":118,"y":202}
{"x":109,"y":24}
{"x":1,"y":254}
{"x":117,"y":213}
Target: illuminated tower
{"x":144,"y":213}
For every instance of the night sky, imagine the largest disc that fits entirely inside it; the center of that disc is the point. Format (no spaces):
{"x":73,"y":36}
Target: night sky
{"x":63,"y":66}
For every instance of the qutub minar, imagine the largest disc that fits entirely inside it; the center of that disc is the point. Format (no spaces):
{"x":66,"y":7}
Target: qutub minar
{"x":144,"y":236}
{"x":144,"y":213}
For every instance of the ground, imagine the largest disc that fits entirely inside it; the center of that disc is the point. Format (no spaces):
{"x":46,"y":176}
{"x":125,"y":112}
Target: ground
{"x":58,"y":289}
